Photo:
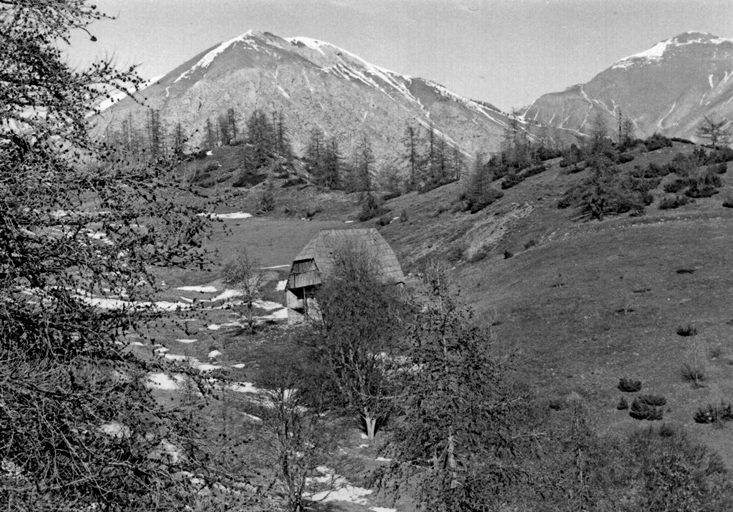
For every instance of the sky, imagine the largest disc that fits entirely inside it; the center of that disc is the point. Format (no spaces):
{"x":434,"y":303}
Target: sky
{"x":506,"y":52}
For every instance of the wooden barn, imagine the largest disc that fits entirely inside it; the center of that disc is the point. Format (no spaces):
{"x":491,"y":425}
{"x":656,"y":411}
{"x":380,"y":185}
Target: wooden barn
{"x":315,"y":261}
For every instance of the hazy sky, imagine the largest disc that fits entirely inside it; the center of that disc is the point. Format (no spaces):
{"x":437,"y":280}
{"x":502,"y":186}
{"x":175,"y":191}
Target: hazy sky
{"x":507,"y":52}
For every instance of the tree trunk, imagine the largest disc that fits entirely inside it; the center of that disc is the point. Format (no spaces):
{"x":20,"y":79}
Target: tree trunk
{"x":371,"y":425}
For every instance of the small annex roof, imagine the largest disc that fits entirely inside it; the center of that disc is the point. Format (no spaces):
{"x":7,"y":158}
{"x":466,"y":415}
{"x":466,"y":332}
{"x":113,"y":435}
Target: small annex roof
{"x":322,"y":247}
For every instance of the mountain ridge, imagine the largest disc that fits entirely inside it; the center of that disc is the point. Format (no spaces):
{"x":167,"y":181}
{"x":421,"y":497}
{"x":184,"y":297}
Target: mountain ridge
{"x":668,"y":88}
{"x":316,"y":85}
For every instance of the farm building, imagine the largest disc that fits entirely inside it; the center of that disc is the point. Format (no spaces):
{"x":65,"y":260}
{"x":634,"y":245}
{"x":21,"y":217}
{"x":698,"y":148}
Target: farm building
{"x":315,"y":262}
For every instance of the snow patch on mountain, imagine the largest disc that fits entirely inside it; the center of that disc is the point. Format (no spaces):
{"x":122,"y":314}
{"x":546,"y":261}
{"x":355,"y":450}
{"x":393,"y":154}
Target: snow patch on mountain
{"x":207,"y":59}
{"x":120,"y":95}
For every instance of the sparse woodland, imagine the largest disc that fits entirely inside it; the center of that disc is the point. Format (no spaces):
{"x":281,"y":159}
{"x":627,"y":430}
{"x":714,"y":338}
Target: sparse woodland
{"x":410,"y":368}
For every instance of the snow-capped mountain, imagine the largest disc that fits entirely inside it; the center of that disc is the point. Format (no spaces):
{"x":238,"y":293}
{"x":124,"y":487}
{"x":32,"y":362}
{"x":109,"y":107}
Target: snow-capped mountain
{"x":667,"y":89}
{"x":314,"y":84}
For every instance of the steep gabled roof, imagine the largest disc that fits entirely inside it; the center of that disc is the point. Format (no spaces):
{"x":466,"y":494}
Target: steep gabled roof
{"x":322,"y":247}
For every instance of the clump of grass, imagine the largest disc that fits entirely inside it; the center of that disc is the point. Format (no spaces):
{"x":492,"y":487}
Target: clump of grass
{"x":629,"y":385}
{"x":693,"y":373}
{"x":715,"y":352}
{"x":687,"y":330}
{"x":714,"y":413}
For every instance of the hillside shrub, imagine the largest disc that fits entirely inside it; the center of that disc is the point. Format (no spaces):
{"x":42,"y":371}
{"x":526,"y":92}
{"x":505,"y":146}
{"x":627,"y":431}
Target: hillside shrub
{"x":643,"y":411}
{"x":714,"y":413}
{"x":512,"y":180}
{"x":403,"y":216}
{"x":686,"y":330}
{"x":728,"y":202}
{"x":652,"y":400}
{"x":647,"y":407}
{"x":455,"y":253}
{"x":668,"y":203}
{"x":718,"y":168}
{"x":249,"y":179}
{"x":292,"y":182}
{"x":719,"y":156}
{"x":676,"y":185}
{"x":481,"y":255}
{"x":391,"y":195}
{"x":478,"y":199}
{"x":384,"y":220}
{"x":533,"y":171}
{"x":624,"y":158}
{"x":508,"y":254}
{"x":657,"y":141}
{"x":370,"y":208}
{"x":622,"y":404}
{"x":629,"y":385}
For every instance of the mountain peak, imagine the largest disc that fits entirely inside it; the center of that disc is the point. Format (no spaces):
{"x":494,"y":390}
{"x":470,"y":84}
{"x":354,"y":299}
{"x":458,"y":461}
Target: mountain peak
{"x":659,"y":50}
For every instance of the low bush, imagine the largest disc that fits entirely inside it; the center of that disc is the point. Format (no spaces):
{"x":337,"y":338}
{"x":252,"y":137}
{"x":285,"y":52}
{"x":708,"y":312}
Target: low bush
{"x":479,"y":256}
{"x":625,"y":158}
{"x":657,"y":141}
{"x":384,"y":220}
{"x":508,"y":254}
{"x":455,"y":253}
{"x":391,"y":195}
{"x":478,"y":200}
{"x":622,"y":404}
{"x":676,"y":185}
{"x":714,"y":413}
{"x":297,"y":180}
{"x":403,"y":216}
{"x":511,"y":180}
{"x":652,"y":400}
{"x":669,"y":203}
{"x":718,"y":168}
{"x":530,"y":244}
{"x":370,"y":209}
{"x":728,"y":202}
{"x":686,"y":330}
{"x":533,"y":171}
{"x":629,"y":385}
{"x":641,"y":410}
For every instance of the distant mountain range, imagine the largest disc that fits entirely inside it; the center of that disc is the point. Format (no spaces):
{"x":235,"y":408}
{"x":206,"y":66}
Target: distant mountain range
{"x":668,"y":88}
{"x":314,"y":84}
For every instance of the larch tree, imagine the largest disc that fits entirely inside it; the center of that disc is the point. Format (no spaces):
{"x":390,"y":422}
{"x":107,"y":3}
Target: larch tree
{"x":360,"y":321}
{"x":77,"y":421}
{"x":714,"y":131}
{"x":459,"y":413}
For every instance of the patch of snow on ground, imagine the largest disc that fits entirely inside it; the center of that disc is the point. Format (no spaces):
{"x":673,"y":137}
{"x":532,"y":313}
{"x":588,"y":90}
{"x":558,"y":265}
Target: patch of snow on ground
{"x":163,"y":381}
{"x":186,"y":341}
{"x":138,"y":343}
{"x":382,"y":509}
{"x":205,"y":367}
{"x":161,"y":350}
{"x":238,"y":365}
{"x":281,"y":314}
{"x":227,"y":294}
{"x":115,"y":429}
{"x":214,"y":353}
{"x":200,"y":289}
{"x":276,"y":266}
{"x":382,"y":459}
{"x":281,"y":285}
{"x":343,"y":491}
{"x":267,"y":305}
{"x":243,"y":387}
{"x":175,"y":357}
{"x":235,"y":215}
{"x":214,"y":327}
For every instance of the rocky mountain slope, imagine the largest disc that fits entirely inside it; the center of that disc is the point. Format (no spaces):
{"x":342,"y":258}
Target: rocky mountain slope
{"x":314,"y":84}
{"x":666,"y":89}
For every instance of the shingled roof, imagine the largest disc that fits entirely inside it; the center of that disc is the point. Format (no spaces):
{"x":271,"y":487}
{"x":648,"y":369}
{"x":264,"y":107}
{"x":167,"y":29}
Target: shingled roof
{"x":322,"y":247}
